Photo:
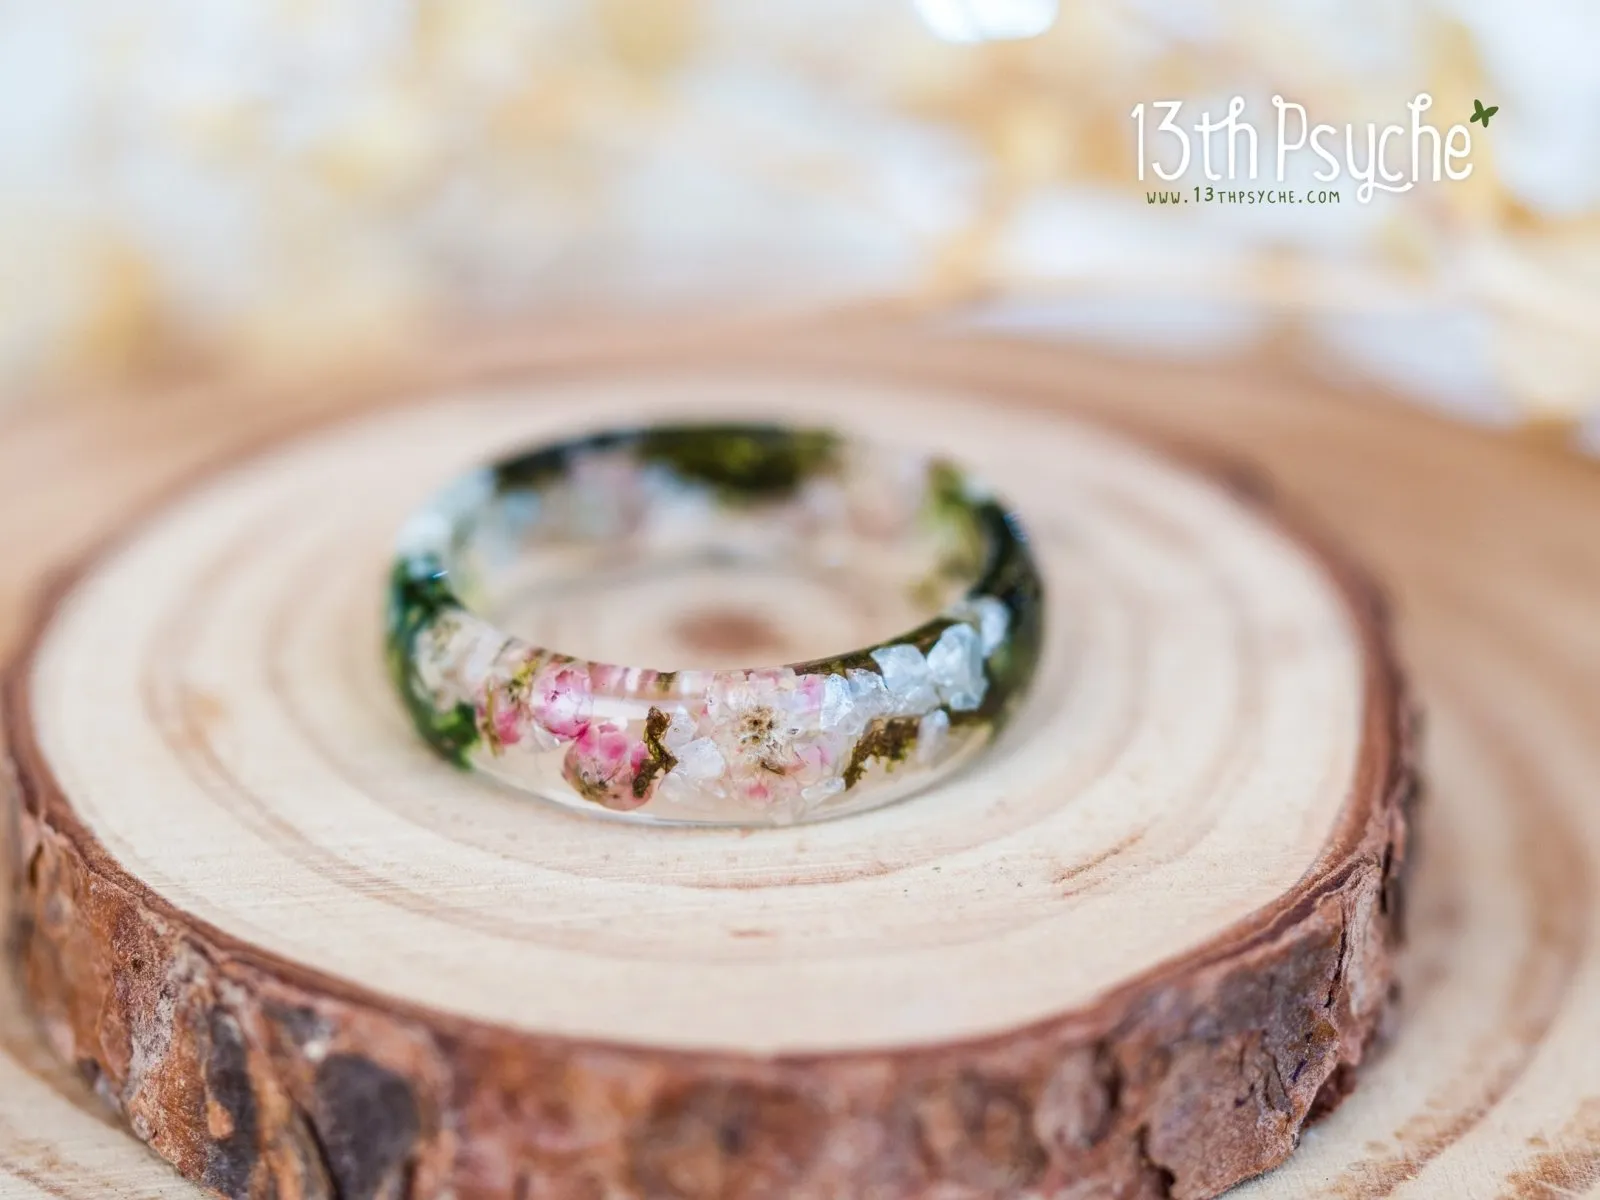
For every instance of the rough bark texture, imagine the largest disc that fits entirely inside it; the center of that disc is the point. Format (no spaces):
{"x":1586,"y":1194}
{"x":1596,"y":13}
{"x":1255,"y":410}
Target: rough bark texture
{"x":260,"y":1078}
{"x":259,"y":1084}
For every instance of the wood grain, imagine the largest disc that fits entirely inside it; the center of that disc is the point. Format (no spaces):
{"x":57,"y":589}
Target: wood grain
{"x":1496,"y":966}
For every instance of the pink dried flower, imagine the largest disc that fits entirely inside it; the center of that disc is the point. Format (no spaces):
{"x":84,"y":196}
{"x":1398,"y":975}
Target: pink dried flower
{"x":505,"y":727}
{"x":602,"y":764}
{"x":561,"y":700}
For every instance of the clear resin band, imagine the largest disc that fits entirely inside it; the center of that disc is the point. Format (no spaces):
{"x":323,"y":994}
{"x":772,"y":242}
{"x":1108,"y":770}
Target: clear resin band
{"x":748,"y":746}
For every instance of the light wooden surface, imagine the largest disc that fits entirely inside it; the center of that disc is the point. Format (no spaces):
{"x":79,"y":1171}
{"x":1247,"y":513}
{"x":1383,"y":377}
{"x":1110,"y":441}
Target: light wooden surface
{"x":1484,"y":1091}
{"x":1188,"y":751}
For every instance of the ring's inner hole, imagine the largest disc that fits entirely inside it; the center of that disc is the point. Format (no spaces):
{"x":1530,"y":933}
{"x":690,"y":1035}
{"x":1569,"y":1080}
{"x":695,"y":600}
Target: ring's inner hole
{"x":717,"y":547}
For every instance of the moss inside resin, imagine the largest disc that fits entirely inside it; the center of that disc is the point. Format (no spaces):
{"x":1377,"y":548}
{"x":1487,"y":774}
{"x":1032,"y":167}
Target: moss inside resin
{"x":887,"y":739}
{"x":418,"y":595}
{"x":658,"y":759}
{"x":550,"y":464}
{"x":1010,"y":668}
{"x":856,"y":660}
{"x":741,"y":462}
{"x":960,"y":523}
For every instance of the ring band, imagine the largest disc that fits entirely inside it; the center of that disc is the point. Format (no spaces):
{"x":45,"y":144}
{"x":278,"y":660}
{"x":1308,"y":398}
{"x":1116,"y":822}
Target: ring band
{"x":743,"y":746}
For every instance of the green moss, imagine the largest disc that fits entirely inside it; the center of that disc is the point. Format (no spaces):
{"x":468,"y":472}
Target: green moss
{"x":659,"y":760}
{"x":946,"y":502}
{"x":959,"y":523}
{"x":855,"y":660}
{"x":742,"y":462}
{"x":888,"y":739}
{"x":1011,"y":667}
{"x":925,"y":636}
{"x":533,"y":470}
{"x":418,"y":595}
{"x":453,"y":732}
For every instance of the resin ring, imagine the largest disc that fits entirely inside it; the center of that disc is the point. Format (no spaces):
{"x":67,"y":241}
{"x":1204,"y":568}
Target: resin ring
{"x":698,"y":743}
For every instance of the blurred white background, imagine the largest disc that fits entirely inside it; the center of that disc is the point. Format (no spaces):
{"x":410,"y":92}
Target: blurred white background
{"x":268,"y":182}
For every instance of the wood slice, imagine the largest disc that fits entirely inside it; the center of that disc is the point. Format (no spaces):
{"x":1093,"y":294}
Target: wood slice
{"x":1132,"y":947}
{"x":1486,"y":1090}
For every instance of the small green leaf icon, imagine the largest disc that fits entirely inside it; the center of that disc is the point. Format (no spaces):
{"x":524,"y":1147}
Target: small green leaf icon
{"x":1481,"y":114}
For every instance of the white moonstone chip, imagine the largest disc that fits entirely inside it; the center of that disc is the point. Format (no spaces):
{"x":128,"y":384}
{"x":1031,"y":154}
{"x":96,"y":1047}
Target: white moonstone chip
{"x":851,"y":701}
{"x":991,"y":616}
{"x":956,"y":666}
{"x":680,"y":731}
{"x":700,"y":759}
{"x":994,"y":618}
{"x":838,"y":705}
{"x":870,"y":694}
{"x":932,"y":733}
{"x":905,"y":674}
